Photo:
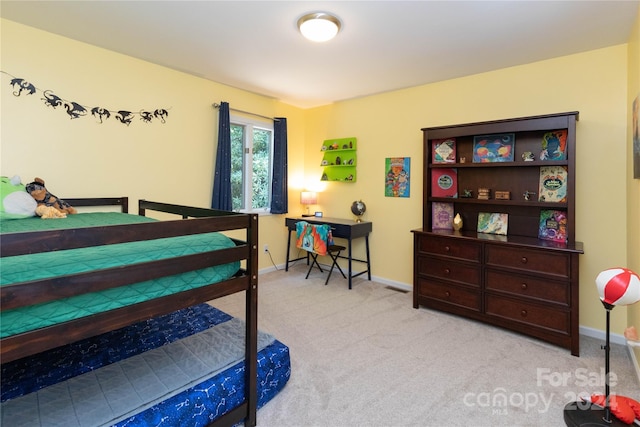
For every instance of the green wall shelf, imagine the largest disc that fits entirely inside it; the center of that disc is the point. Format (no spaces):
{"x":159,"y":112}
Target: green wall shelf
{"x":339,"y":160}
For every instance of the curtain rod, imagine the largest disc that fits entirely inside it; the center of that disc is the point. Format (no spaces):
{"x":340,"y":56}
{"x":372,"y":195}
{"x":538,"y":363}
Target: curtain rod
{"x":247,"y":112}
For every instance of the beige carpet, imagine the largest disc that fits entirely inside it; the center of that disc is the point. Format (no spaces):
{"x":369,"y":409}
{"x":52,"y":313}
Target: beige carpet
{"x":366,"y":357}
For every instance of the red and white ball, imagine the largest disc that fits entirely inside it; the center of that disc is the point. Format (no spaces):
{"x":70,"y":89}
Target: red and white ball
{"x":618,"y":286}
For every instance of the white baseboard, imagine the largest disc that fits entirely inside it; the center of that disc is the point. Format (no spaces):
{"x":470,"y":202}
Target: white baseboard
{"x":392,"y":283}
{"x":632,"y":354}
{"x":270,"y":269}
{"x":601,"y":335}
{"x":614,"y":339}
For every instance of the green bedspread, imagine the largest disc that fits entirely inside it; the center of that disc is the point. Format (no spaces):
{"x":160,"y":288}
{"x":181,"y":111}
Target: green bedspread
{"x":22,"y":268}
{"x":93,"y":219}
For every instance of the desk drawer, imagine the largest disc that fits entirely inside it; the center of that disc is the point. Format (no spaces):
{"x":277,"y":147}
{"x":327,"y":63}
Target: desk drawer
{"x":526,"y":286}
{"x":451,"y":294}
{"x":467,"y":250}
{"x":450,"y":270}
{"x":542,"y":262}
{"x":528,"y":313}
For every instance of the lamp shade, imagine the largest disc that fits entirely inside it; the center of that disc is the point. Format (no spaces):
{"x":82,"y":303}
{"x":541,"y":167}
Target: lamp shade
{"x":618,"y":286}
{"x":308,"y":198}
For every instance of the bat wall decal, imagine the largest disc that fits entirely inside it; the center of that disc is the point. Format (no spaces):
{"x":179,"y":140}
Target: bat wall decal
{"x":51,"y":100}
{"x":76,"y":110}
{"x":22,"y":85}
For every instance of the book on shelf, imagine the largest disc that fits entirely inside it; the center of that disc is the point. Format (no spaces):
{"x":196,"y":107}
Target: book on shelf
{"x":493,"y":148}
{"x":554,"y":145}
{"x":444,"y":182}
{"x":493,"y":223}
{"x":553,"y":184}
{"x":443,"y":150}
{"x":553,"y":225}
{"x":442,"y":216}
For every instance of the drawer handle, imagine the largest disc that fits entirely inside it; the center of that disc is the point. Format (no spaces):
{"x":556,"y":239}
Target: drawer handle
{"x":447,"y":294}
{"x":523,"y":313}
{"x":524,"y":260}
{"x":447,"y":271}
{"x":447,"y":249}
{"x":523,"y":286}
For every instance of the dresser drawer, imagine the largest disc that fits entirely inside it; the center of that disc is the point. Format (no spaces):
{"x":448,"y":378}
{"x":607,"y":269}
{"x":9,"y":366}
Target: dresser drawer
{"x":528,"y":313}
{"x":527,"y":286}
{"x":450,"y":270}
{"x":467,"y":250}
{"x":451,"y":294}
{"x":544,"y":262}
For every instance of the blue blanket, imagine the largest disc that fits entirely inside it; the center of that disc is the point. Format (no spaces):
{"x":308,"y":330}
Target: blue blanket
{"x":176,"y":367}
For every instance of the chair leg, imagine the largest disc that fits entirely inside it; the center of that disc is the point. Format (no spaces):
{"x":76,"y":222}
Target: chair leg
{"x":338,"y":265}
{"x":314,"y":260}
{"x":334,"y":259}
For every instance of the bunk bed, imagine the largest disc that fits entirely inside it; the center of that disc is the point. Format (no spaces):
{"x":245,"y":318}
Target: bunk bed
{"x":148,"y":295}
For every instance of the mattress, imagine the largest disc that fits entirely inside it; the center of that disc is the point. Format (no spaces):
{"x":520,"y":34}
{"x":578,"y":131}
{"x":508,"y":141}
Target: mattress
{"x":88,"y":219}
{"x":23,"y":268}
{"x":42,"y":390}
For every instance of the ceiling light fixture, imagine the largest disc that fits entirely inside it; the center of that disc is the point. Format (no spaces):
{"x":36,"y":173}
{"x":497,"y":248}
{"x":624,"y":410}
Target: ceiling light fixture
{"x":319,"y":26}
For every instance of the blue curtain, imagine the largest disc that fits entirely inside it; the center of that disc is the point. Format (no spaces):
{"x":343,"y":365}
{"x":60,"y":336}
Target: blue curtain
{"x":279,"y":186}
{"x":221,"y":198}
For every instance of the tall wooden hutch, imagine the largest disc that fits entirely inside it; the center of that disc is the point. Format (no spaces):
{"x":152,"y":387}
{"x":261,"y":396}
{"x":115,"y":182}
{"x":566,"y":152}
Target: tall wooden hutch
{"x":516,"y":280}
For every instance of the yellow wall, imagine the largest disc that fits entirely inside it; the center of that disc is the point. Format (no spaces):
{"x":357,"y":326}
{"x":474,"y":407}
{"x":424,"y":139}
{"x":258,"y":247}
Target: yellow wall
{"x":173,"y":162}
{"x":633,"y":185}
{"x":593,"y":83}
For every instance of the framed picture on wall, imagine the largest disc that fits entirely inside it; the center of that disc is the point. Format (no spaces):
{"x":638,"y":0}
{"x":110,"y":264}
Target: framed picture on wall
{"x":397,"y":173}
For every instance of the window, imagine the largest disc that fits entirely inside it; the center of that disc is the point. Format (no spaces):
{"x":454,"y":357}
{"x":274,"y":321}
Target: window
{"x":251,"y":164}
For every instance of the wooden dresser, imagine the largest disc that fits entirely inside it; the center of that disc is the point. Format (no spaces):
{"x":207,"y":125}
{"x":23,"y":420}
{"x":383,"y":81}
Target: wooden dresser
{"x":517,"y":281}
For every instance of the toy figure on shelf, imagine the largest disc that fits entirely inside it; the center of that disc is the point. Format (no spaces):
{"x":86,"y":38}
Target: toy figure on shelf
{"x":457,"y":222}
{"x":528,"y":156}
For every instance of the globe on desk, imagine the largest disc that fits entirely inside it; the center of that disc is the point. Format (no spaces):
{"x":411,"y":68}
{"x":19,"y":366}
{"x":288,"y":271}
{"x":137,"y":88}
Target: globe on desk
{"x":358,"y":208}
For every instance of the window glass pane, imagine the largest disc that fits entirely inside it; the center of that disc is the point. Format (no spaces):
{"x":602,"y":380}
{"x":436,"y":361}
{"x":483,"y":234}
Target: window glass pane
{"x":261,"y":168}
{"x":237,"y":166}
{"x":251,"y":174}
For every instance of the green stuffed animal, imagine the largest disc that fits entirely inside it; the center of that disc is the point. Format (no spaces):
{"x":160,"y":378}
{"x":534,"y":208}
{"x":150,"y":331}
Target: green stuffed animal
{"x":15,"y":202}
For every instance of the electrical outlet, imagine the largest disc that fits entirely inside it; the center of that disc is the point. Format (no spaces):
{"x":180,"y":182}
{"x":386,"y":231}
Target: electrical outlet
{"x":266,"y":248}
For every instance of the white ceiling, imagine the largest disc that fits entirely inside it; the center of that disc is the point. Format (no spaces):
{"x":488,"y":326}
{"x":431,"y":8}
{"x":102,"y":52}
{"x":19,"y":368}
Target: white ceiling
{"x":383,"y":45}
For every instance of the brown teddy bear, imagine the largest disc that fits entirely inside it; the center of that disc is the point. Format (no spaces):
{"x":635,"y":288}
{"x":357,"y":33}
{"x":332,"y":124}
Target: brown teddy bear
{"x":42,"y":196}
{"x":47,"y":212}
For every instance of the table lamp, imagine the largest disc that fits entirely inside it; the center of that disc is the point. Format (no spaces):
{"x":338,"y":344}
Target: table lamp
{"x":616,"y":286}
{"x":308,"y":198}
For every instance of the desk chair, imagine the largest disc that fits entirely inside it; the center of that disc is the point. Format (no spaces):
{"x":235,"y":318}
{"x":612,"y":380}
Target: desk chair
{"x":318,"y":241}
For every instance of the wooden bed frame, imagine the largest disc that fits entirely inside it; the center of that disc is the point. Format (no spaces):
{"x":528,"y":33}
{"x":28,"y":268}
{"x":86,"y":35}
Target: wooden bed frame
{"x":193,"y":221}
